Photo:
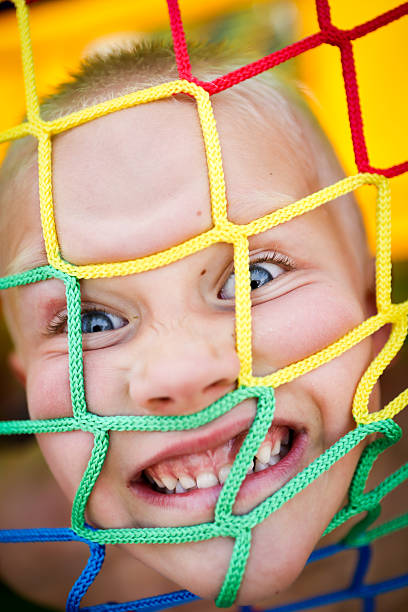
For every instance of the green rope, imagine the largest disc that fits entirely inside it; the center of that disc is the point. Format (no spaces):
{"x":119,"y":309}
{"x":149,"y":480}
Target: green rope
{"x":225,"y":523}
{"x":236,"y":569}
{"x":382,"y":530}
{"x":100,"y":448}
{"x":253,"y":440}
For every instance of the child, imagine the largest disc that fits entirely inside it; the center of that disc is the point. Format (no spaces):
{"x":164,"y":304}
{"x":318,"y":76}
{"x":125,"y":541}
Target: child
{"x":163,"y":342}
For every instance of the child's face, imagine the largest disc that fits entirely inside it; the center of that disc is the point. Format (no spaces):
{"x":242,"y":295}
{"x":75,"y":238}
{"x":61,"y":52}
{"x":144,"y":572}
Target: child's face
{"x":162,"y":342}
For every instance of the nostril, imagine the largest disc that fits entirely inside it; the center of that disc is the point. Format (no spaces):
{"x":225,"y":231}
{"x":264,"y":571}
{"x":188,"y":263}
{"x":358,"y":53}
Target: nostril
{"x":155,"y":402}
{"x":218,"y":385}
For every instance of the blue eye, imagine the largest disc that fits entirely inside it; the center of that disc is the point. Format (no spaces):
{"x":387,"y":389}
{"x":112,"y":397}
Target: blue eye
{"x":98,"y":321}
{"x":261,"y":273}
{"x":259,"y":276}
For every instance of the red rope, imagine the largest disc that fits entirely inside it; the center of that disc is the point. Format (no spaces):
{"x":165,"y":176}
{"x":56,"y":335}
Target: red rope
{"x":328,"y":34}
{"x":269,"y":61}
{"x":390,"y":172}
{"x":378,"y":22}
{"x":323,"y":14}
{"x":179,"y":40}
{"x":353,"y":105}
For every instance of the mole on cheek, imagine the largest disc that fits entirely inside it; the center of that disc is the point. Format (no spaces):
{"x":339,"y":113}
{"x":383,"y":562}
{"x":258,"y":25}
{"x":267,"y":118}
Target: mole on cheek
{"x":203,"y":272}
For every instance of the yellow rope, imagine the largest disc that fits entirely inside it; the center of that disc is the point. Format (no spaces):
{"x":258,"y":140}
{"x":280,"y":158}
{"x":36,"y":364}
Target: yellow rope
{"x":223,"y":230}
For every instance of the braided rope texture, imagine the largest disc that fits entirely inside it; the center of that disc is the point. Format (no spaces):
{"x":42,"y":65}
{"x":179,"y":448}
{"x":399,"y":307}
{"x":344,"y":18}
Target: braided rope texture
{"x":225,"y":523}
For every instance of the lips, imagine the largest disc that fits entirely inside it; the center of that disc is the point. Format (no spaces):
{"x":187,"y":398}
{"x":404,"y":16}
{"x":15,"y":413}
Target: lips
{"x":198,"y":462}
{"x":198,"y":504}
{"x":212,"y":466}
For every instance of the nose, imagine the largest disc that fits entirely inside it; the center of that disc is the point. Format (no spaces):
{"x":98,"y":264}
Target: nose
{"x":184,"y":370}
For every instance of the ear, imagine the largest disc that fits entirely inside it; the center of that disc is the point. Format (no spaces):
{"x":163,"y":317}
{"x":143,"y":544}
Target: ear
{"x":381,"y":336}
{"x":16,"y":366}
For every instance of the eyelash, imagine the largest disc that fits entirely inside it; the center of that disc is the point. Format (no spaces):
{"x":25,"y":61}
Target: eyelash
{"x":60,"y":320}
{"x":273,"y":257}
{"x":270,"y":257}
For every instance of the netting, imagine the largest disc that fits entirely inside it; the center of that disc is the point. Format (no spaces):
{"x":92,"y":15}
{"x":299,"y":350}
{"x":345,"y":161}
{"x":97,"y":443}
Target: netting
{"x":226,"y":524}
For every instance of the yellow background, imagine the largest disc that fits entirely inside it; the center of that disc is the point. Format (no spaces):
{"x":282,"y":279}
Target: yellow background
{"x":62,"y":29}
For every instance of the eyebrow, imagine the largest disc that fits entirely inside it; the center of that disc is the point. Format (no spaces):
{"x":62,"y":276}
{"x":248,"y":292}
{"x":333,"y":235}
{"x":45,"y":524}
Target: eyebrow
{"x":244,"y":202}
{"x":27,"y":259}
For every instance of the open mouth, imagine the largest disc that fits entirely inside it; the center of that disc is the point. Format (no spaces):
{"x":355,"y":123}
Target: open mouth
{"x":183,"y":474}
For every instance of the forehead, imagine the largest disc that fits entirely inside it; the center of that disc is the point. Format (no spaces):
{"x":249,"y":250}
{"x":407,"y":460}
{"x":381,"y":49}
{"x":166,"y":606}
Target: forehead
{"x":135,"y":182}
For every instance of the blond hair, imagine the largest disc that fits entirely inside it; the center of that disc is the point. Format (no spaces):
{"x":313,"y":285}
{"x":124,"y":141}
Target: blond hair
{"x":121,"y":71}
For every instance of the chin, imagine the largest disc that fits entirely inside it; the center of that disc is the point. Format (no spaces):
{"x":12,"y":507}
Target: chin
{"x":263,"y":581}
{"x":275,"y":561}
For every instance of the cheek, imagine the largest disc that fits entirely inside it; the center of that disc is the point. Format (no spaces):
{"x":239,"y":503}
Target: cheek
{"x":47,"y":388}
{"x":67,"y":455}
{"x":105,"y":383}
{"x":48,"y":396}
{"x":299,"y":324}
{"x":332,"y":387}
{"x":288,"y":330}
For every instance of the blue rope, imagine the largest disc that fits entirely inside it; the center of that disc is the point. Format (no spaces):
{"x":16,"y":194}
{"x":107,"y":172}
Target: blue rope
{"x":87,"y":577}
{"x":42,"y":534}
{"x":357,"y":589}
{"x":369,"y":605}
{"x":159,"y":602}
{"x":364,"y":558}
{"x":365,"y":592}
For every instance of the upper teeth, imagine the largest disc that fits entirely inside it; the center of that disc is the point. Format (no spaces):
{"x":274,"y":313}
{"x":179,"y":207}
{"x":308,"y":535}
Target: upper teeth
{"x":205,"y":480}
{"x":170,"y":484}
{"x":223,"y":473}
{"x":265,"y":456}
{"x":187,"y":482}
{"x":266,"y":450}
{"x":180,"y":488}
